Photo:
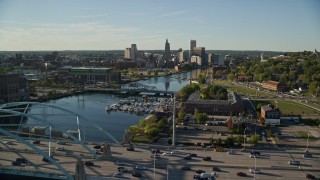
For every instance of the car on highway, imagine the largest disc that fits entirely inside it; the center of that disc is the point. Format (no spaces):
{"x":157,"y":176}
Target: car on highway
{"x":155,"y":150}
{"x":155,"y":156}
{"x":307,"y":155}
{"x":254,"y":171}
{"x":159,"y":166}
{"x":175,"y":152}
{"x":22,"y":160}
{"x":61,"y":142}
{"x":167,"y":154}
{"x":231,"y":151}
{"x":215,"y":168}
{"x":200,"y":171}
{"x":120,"y":162}
{"x":207,"y":158}
{"x":118,"y":174}
{"x":293,"y":162}
{"x":186,"y":168}
{"x":123,"y":169}
{"x":136,"y":174}
{"x":36,"y":142}
{"x":89,"y":163}
{"x":253,"y":155}
{"x":97,"y":147}
{"x":141,"y":167}
{"x":310,"y":176}
{"x":60,"y":148}
{"x":193,"y":154}
{"x":15,"y":163}
{"x":257,"y":153}
{"x":242,"y":174}
{"x":130,"y":149}
{"x":187,"y":157}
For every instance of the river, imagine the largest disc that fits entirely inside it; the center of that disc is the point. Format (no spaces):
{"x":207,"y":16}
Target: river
{"x":92,"y":107}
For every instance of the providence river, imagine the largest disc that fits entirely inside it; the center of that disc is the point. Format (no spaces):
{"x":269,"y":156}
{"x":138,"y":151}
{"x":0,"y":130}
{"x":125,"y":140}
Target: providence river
{"x":92,"y":106}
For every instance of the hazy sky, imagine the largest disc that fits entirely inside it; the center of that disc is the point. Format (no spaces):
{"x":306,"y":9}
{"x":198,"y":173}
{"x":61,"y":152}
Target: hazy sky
{"x":281,"y":25}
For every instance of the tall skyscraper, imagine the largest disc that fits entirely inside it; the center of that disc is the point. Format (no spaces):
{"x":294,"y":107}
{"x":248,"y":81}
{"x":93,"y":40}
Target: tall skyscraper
{"x":133,"y":51}
{"x":167,"y":52}
{"x":193,"y":44}
{"x":127,"y":53}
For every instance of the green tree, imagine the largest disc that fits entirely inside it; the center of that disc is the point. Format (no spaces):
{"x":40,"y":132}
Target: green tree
{"x":152,"y":132}
{"x":254,"y":139}
{"x":181,"y":115}
{"x":230,"y":141}
{"x":156,"y":73}
{"x":161,"y":124}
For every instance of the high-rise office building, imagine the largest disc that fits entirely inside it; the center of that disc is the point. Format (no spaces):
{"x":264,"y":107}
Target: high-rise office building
{"x":134,"y":50}
{"x":127,"y":53}
{"x":193,"y":44}
{"x":180,"y":55}
{"x":167,"y":53}
{"x":200,"y":51}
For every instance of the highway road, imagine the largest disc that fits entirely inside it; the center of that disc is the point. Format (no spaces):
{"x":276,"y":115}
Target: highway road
{"x":272,"y":163}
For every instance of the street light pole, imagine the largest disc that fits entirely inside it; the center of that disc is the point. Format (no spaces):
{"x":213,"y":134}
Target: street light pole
{"x":154,"y":165}
{"x":244,"y":138}
{"x":308,"y":140}
{"x":174,"y":122}
{"x":255,"y":167}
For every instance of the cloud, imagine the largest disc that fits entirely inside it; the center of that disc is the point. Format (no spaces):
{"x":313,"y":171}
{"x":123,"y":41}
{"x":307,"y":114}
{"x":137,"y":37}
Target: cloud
{"x":92,"y":16}
{"x":172,"y":14}
{"x":55,"y":36}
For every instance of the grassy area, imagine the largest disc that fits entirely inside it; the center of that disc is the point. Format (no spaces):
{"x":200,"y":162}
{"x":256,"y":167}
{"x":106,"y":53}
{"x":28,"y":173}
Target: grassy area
{"x":289,"y":107}
{"x":241,"y":89}
{"x":141,"y":139}
{"x":304,"y":135}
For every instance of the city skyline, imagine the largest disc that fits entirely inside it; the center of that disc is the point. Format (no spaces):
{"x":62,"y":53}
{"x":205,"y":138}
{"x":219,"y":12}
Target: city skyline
{"x":113,"y":25}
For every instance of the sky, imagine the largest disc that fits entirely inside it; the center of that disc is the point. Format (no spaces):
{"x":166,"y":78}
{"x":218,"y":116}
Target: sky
{"x":269,"y":25}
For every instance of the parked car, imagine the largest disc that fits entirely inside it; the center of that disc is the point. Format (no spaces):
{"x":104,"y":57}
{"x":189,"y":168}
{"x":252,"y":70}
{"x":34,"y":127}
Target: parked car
{"x":136,"y":174}
{"x":256,"y":171}
{"x":123,"y":169}
{"x":117,"y":174}
{"x":89,"y":163}
{"x":22,"y":160}
{"x":186,"y":168}
{"x":141,"y":167}
{"x":242,"y":174}
{"x":207,"y":158}
{"x":292,"y":162}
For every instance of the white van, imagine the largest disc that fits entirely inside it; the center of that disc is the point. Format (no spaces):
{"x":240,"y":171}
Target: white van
{"x":207,"y":175}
